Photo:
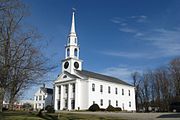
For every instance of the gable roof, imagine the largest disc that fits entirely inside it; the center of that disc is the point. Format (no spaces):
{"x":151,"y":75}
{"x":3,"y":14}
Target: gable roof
{"x":71,"y":75}
{"x":102,"y":77}
{"x":47,"y":90}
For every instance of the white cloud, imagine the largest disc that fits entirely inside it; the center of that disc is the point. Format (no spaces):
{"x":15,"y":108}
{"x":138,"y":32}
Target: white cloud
{"x":117,"y":20}
{"x":165,"y":40}
{"x":122,"y":72}
{"x":138,"y":34}
{"x":125,"y":54}
{"x":141,"y":18}
{"x":128,"y":30}
{"x":123,"y":24}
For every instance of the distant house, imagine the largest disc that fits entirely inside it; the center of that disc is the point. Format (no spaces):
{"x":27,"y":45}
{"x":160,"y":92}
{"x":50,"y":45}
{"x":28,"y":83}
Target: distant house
{"x":43,"y":97}
{"x":18,"y":104}
{"x":5,"y":104}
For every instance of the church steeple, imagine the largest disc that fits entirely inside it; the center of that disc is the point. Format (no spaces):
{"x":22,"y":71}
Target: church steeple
{"x":72,"y":61}
{"x":72,"y":48}
{"x":73,"y":25}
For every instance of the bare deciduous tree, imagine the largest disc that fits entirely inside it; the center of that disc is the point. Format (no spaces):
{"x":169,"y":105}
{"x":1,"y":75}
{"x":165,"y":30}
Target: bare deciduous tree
{"x":22,"y":62}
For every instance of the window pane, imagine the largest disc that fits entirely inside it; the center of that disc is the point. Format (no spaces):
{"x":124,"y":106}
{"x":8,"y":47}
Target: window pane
{"x":116,"y":91}
{"x":129,"y":104}
{"x":122,"y":91}
{"x":101,"y":102}
{"x":68,"y":52}
{"x":93,"y":87}
{"x":109,"y":89}
{"x":101,"y":88}
{"x":75,"y":52}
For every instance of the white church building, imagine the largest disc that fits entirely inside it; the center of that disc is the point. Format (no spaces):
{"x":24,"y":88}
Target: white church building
{"x":77,"y":89}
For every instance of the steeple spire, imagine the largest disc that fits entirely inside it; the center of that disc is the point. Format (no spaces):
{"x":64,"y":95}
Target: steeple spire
{"x":73,"y":25}
{"x":72,"y":61}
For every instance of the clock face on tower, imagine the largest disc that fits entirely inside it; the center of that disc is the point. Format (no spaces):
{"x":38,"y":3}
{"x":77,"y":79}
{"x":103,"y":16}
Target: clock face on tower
{"x":66,"y":64}
{"x":76,"y":65}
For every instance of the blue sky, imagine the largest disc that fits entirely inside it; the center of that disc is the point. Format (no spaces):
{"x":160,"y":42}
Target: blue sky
{"x":117,"y":37}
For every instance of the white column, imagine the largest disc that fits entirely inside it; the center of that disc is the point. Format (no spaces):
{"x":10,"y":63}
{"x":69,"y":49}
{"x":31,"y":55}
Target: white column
{"x":76,"y":96}
{"x":34,"y":102}
{"x":62,"y":99}
{"x":69,"y":96}
{"x":55,"y":97}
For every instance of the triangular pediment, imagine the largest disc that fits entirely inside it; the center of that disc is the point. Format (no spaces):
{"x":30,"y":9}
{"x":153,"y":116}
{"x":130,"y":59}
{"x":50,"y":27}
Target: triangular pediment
{"x":67,"y":76}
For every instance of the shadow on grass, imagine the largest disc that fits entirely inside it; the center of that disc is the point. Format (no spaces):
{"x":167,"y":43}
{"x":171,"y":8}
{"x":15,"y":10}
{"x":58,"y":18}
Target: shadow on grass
{"x":176,"y":115}
{"x":72,"y":116}
{"x":18,"y":113}
{"x":48,"y":117}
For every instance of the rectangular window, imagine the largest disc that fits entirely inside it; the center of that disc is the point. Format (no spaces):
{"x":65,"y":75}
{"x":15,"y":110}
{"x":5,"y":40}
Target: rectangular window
{"x":43,"y":97}
{"x":116,"y":103}
{"x":129,"y":104}
{"x":39,"y":104}
{"x":109,"y":89}
{"x":66,"y":88}
{"x":129,"y":92}
{"x":40,"y":97}
{"x":116,"y":91}
{"x":58,"y":104}
{"x":36,"y":98}
{"x":73,"y":87}
{"x":101,"y":88}
{"x":122,"y":91}
{"x":59,"y":89}
{"x":93,"y":87}
{"x":101,"y":102}
{"x":66,"y":103}
{"x":109,"y":102}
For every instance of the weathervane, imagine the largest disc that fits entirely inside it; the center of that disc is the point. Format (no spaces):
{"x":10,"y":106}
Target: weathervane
{"x":74,"y":9}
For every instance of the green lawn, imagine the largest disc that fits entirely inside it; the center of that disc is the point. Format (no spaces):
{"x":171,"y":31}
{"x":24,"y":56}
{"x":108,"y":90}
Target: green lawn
{"x":19,"y":115}
{"x":73,"y":116}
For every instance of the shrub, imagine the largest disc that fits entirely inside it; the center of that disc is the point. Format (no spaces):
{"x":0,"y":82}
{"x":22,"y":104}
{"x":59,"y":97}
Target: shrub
{"x":94,"y":107}
{"x":110,"y":108}
{"x":118,"y":109}
{"x":49,"y":109}
{"x":4,"y":109}
{"x":40,"y":113}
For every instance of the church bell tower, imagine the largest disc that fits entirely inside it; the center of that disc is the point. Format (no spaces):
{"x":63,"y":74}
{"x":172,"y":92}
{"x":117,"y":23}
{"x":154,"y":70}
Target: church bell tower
{"x":72,"y":61}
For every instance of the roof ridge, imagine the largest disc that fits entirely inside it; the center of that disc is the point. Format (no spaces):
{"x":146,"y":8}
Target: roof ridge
{"x":103,"y":77}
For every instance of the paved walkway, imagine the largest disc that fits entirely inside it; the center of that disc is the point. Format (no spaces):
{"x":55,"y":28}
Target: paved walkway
{"x":137,"y":116}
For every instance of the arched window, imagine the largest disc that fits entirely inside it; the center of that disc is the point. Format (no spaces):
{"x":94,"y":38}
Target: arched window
{"x":75,"y":52}
{"x":68,"y":52}
{"x":75,"y":40}
{"x":65,"y":76}
{"x":69,"y":40}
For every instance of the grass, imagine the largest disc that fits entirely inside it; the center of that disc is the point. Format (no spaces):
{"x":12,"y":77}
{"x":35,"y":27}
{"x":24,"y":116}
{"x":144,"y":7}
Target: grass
{"x":21,"y":115}
{"x":74,"y":116}
{"x":18,"y":115}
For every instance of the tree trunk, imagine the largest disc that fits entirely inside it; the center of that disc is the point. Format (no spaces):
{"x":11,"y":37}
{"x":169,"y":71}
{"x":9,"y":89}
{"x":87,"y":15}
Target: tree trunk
{"x":2,"y":92}
{"x":11,"y":104}
{"x":11,"y":101}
